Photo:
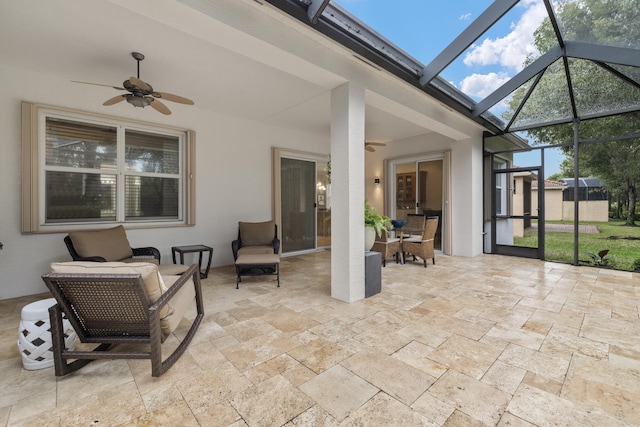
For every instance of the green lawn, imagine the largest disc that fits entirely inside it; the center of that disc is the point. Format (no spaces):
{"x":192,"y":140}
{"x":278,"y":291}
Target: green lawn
{"x":559,"y":245}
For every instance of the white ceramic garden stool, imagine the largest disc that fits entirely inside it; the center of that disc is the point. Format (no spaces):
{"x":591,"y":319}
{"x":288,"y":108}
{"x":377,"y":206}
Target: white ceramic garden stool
{"x":34,"y":335}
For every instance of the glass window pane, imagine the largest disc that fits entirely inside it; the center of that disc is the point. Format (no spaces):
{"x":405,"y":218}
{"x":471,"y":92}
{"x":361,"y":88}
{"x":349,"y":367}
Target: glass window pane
{"x":80,"y":197}
{"x":323,"y":206}
{"x":149,"y":152}
{"x":79,"y":145}
{"x":151,"y":198}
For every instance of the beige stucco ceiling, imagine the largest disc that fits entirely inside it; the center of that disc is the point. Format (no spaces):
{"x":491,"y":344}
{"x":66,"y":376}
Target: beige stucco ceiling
{"x":220,"y":62}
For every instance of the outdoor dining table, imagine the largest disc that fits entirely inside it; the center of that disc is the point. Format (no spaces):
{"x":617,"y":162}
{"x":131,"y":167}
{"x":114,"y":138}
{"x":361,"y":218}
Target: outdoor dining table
{"x":405,"y":229}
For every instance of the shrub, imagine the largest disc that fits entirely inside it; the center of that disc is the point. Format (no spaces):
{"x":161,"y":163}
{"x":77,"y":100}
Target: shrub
{"x":601,"y":259}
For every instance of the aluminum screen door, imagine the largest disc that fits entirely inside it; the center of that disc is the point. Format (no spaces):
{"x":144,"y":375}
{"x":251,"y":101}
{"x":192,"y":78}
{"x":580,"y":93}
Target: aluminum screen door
{"x":298,"y":192}
{"x":517,"y":220}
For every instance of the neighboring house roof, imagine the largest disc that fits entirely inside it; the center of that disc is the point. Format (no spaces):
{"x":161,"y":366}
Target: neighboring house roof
{"x":550,"y":185}
{"x":583,"y":182}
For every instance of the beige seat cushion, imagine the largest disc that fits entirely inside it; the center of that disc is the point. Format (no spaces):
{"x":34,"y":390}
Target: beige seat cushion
{"x":171,"y":270}
{"x":153,"y":282}
{"x":255,"y":259}
{"x":179,"y":304}
{"x":141,"y":259}
{"x":253,"y":250}
{"x":111,"y":244}
{"x":257,"y":233}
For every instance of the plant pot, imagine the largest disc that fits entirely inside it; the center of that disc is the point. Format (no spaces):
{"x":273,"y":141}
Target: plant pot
{"x":369,"y":238}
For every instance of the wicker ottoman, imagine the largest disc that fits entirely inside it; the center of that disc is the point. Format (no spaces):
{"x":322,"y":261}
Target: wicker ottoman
{"x":34,"y":335}
{"x":257,"y":265}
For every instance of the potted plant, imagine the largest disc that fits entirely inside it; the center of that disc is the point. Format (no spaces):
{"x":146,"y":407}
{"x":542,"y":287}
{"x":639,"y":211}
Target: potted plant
{"x":374,"y":223}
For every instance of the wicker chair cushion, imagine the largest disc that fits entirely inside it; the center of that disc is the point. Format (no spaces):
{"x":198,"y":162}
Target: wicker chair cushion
{"x":171,"y":269}
{"x":257,"y":233}
{"x":111,"y":244}
{"x":141,"y":259}
{"x":153,"y":281}
{"x":253,"y":250}
{"x":179,"y":304}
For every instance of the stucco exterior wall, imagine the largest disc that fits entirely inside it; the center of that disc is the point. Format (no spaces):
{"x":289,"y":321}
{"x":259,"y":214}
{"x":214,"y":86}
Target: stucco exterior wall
{"x":233,"y":178}
{"x":591,"y":210}
{"x":552,"y":203}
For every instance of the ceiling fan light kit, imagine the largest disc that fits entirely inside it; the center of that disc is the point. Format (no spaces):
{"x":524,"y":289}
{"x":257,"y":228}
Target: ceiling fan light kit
{"x":137,"y":101}
{"x":141,"y":94}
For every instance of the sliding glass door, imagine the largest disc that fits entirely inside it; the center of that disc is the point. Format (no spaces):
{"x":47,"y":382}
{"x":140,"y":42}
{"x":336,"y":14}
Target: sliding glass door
{"x":304,"y":203}
{"x":419,"y":190}
{"x":298,"y":192}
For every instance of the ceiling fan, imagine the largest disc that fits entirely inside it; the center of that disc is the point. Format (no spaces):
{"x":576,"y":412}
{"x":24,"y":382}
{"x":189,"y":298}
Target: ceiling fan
{"x":141,"y":93}
{"x":369,"y":145}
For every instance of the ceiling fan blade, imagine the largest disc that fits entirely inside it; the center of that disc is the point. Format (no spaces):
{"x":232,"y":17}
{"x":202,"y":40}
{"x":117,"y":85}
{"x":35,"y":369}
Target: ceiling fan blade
{"x":98,"y":84}
{"x":114,"y":100}
{"x":366,"y":147}
{"x":139,"y":83}
{"x":159,"y":106}
{"x":173,"y":98}
{"x":382,"y":144}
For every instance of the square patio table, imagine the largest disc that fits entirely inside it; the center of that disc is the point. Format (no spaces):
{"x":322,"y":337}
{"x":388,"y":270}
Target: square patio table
{"x":192,"y":249}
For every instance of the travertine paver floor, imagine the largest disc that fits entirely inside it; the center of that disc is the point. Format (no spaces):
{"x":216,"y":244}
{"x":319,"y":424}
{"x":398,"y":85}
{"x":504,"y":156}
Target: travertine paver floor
{"x":484,"y":341}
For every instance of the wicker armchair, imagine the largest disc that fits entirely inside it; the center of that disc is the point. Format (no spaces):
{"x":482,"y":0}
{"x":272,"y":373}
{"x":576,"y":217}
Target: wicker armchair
{"x":387,"y":247}
{"x":422,"y":246}
{"x":415,"y":222}
{"x":256,"y":238}
{"x":110,"y":244}
{"x":256,"y":251}
{"x":115,"y":303}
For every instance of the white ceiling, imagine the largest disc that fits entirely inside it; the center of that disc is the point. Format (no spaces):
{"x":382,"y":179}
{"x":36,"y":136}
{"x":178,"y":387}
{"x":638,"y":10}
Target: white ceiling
{"x":187,"y":53}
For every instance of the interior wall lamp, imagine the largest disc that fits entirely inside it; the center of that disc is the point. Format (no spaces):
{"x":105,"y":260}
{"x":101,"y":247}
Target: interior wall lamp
{"x":376,"y":180}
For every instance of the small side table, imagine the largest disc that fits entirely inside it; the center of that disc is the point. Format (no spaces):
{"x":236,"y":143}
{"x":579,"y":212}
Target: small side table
{"x":191,"y":249}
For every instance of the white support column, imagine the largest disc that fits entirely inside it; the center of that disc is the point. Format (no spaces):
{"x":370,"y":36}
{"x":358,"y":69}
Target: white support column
{"x":347,"y":192}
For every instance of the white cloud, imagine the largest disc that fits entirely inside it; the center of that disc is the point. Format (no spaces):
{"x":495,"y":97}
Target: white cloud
{"x":481,"y":85}
{"x":510,"y":51}
{"x":465,"y":17}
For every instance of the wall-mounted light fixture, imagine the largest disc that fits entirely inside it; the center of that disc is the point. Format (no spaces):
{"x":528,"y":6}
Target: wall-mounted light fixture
{"x":376,"y":180}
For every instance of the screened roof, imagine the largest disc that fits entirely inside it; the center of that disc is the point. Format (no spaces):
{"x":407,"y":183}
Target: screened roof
{"x":585,"y":65}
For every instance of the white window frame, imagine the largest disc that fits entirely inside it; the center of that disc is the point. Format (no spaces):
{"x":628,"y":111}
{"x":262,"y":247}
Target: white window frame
{"x":34,"y":169}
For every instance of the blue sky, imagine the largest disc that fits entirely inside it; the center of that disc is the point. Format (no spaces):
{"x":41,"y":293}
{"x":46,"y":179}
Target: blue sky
{"x":424,"y":28}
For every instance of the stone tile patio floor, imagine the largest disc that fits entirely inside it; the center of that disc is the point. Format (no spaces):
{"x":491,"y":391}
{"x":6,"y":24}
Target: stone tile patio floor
{"x":478,"y":341}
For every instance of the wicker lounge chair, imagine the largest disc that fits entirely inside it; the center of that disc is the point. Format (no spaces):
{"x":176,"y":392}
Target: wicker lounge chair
{"x":256,"y":238}
{"x":256,"y":250}
{"x":120,"y":303}
{"x":110,"y":244}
